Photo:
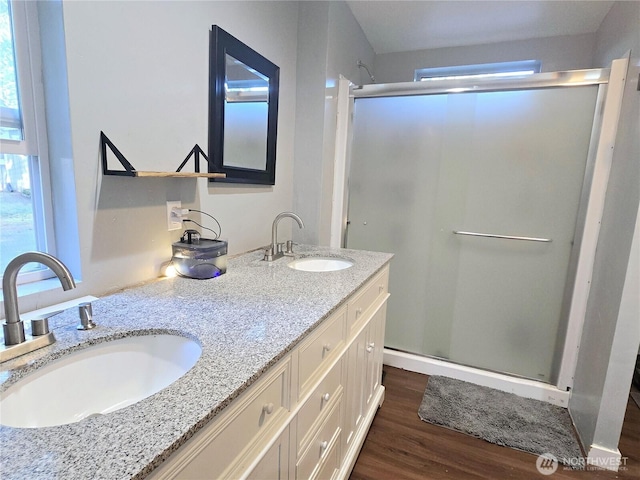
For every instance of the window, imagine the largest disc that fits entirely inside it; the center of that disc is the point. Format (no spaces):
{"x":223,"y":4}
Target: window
{"x":485,"y":70}
{"x":25,"y":215}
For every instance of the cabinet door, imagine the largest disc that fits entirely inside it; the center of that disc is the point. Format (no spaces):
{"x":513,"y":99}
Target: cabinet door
{"x":374,"y":352}
{"x":355,"y":384}
{"x":379,"y":344}
{"x":274,"y":465}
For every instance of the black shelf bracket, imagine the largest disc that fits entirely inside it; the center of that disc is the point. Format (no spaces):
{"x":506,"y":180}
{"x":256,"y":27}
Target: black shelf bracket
{"x":195,"y":153}
{"x":129,"y":170}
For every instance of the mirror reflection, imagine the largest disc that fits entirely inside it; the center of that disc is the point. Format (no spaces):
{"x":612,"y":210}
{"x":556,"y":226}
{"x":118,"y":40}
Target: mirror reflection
{"x":245,"y":116}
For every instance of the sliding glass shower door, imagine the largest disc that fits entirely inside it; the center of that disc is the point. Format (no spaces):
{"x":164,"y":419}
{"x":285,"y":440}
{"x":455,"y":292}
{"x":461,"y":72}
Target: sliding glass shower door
{"x":477,"y":195}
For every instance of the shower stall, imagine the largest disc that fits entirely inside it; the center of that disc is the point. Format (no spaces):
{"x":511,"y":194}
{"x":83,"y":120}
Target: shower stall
{"x":483,"y":191}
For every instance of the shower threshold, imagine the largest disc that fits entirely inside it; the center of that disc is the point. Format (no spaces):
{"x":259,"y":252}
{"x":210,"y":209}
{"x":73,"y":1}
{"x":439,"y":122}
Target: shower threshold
{"x":522,"y":386}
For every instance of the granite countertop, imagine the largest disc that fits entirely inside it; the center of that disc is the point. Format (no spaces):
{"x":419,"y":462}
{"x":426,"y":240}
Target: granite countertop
{"x":244,"y":320}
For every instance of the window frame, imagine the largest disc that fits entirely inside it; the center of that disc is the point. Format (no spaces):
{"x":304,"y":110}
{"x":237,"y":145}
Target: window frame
{"x":34,"y":145}
{"x":502,"y":69}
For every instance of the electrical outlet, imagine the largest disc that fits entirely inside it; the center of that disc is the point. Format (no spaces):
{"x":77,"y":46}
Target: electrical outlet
{"x":174,"y":215}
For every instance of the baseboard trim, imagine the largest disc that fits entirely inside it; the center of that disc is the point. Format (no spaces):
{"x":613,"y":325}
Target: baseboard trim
{"x":606,"y":458}
{"x":505,"y":383}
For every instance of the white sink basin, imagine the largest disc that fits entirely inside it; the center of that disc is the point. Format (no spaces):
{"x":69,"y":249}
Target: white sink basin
{"x":320,"y":264}
{"x":97,"y":380}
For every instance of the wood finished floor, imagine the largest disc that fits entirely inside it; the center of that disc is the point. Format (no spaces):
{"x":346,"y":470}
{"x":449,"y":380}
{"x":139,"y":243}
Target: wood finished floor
{"x":400,"y":446}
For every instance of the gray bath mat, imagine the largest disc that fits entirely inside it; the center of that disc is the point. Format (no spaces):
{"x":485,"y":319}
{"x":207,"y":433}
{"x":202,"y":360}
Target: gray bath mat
{"x":502,"y":418}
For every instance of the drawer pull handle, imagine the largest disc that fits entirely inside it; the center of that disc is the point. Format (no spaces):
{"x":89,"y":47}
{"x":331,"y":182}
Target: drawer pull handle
{"x":326,"y":347}
{"x":268,"y":408}
{"x":370,"y":347}
{"x":358,"y":311}
{"x":323,"y":446}
{"x":381,"y":288}
{"x":326,"y":397}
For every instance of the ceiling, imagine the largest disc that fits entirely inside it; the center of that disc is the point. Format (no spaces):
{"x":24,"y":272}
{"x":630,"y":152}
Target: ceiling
{"x":398,"y":26}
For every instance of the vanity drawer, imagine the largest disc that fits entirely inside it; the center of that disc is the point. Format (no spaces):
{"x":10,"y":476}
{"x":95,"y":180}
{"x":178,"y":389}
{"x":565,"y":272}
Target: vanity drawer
{"x":323,"y":449}
{"x":316,"y":353}
{"x":221,"y":449}
{"x":373,"y":290}
{"x":331,"y":463}
{"x":324,"y":395}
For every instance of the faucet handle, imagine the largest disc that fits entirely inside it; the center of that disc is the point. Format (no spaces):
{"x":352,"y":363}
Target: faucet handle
{"x":40,"y":324}
{"x":86,"y":316}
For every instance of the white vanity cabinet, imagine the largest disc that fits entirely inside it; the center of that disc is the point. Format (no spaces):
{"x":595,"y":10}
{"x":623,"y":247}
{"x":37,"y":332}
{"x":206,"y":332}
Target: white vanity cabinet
{"x":307,"y":416}
{"x":229,"y":445}
{"x":364,"y":392}
{"x":274,"y":464}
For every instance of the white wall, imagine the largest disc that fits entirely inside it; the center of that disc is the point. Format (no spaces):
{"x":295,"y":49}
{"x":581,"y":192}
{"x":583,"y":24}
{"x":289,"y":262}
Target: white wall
{"x":618,"y":33}
{"x":569,"y":52}
{"x":610,"y":336}
{"x":311,"y":74}
{"x":139,"y":71}
{"x":330,"y":42}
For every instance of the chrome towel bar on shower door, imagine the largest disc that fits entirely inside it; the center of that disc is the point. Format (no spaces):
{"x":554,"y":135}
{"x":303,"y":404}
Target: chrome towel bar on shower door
{"x":507,"y":237}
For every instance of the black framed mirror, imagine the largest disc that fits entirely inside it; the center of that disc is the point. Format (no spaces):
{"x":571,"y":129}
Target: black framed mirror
{"x":243,"y":111}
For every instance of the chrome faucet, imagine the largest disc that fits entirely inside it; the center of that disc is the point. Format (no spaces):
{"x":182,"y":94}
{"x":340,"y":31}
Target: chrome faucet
{"x":276,"y":250}
{"x":13,"y":326}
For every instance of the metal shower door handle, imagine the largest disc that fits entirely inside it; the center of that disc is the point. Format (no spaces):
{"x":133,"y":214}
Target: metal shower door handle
{"x":507,"y":237}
